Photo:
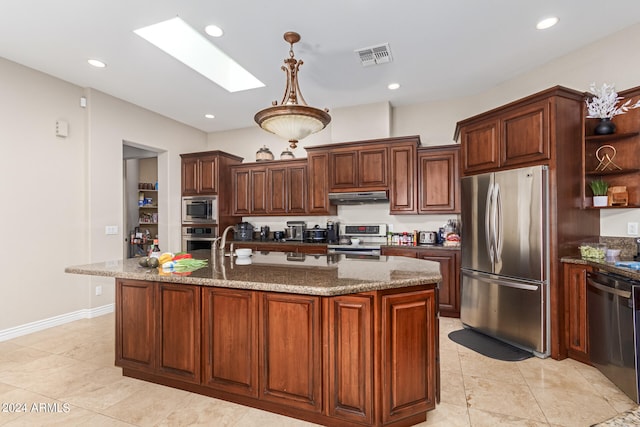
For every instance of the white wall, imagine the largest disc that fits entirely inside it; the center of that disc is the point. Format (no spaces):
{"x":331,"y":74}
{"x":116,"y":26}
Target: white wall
{"x":59,"y":193}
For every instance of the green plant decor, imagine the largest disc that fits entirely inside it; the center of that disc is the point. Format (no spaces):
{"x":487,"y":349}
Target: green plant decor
{"x":599,"y":187}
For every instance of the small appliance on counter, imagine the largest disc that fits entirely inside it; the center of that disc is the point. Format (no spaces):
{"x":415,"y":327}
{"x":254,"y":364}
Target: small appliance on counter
{"x":333,"y":236}
{"x":278,"y":236}
{"x":264,"y":233}
{"x":243,"y":232}
{"x":428,"y":238}
{"x":295,"y":231}
{"x":315,"y":235}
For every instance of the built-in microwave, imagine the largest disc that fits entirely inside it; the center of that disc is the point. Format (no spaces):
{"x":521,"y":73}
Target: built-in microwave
{"x":200,"y":210}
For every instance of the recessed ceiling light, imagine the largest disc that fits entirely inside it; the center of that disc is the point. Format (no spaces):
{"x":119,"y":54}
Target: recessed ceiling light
{"x":210,"y":116}
{"x":547,"y":23}
{"x":393,"y":86}
{"x":190,"y":47}
{"x":96,"y":63}
{"x":213,"y":30}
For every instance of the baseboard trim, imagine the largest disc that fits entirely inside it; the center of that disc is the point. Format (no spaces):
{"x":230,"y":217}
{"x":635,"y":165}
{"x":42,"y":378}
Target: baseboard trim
{"x":29,"y":328}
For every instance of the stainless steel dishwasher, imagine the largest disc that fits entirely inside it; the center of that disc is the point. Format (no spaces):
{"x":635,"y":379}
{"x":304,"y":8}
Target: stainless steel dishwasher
{"x":613,"y":302}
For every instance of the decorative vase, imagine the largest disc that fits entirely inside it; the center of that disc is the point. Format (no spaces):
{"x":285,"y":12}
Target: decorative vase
{"x":605,"y":127}
{"x":600,"y":201}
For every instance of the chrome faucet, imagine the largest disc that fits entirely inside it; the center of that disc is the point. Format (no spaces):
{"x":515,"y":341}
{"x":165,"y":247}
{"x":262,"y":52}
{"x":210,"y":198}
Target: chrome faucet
{"x":223,"y":241}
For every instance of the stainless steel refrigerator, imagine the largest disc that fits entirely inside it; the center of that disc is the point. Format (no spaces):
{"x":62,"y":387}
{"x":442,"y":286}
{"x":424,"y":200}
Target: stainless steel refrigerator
{"x":505,"y":257}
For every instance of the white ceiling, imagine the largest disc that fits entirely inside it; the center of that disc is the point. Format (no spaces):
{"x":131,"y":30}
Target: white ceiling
{"x":441,"y":49}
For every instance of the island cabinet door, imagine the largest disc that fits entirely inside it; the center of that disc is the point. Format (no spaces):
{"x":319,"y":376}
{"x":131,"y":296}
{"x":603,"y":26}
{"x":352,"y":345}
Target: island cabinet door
{"x":230,"y":340}
{"x":350,"y":365}
{"x":178,"y":331}
{"x":409,"y":349}
{"x":290,"y":349}
{"x":135,"y":324}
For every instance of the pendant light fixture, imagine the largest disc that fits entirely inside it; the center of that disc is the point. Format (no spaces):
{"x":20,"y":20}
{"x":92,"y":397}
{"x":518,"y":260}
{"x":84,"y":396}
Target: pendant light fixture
{"x":293,"y":119}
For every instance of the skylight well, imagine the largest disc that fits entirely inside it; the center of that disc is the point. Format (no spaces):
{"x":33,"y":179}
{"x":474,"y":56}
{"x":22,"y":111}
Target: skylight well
{"x":176,"y":38}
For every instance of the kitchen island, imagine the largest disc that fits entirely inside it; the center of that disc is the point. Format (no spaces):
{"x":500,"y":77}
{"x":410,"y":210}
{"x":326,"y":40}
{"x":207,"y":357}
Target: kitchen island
{"x":330,"y":339}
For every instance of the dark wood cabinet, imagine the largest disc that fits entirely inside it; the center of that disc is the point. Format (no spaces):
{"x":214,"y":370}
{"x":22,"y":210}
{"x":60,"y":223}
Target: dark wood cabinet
{"x":230,"y":340}
{"x":575,"y":291}
{"x":178,"y":331}
{"x":449,"y":260}
{"x":200,"y":174}
{"x":350,"y":365}
{"x":276,"y":188}
{"x":135,"y":325}
{"x":359,"y":359}
{"x":449,"y":290}
{"x":410,"y":343}
{"x":403,"y":185}
{"x":359,"y":168}
{"x":158,"y":328}
{"x":517,"y":135}
{"x":318,"y":189}
{"x":439,"y":179}
{"x":291,"y":350}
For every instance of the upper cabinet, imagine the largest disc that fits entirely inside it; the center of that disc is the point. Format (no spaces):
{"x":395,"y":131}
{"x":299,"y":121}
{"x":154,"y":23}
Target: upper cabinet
{"x":201,"y":172}
{"x":318,"y":189}
{"x":614,"y":158}
{"x":518,"y":134}
{"x":359,"y":168}
{"x":439,"y":179}
{"x":387,"y":164}
{"x":270,"y":188}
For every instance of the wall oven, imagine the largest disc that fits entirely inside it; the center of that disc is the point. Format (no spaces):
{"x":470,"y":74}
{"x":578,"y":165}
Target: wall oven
{"x":197,"y":237}
{"x":200,"y":210}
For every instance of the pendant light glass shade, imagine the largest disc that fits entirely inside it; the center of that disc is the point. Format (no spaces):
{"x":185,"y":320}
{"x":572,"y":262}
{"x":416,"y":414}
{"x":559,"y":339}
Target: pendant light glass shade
{"x":293,"y":119}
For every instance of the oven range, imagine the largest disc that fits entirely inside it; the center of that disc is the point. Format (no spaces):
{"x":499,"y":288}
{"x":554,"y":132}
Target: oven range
{"x":369,"y":239}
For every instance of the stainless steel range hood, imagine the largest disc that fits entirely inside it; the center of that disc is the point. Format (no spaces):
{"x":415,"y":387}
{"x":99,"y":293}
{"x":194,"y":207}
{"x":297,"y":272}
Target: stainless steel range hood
{"x":358,"y":198}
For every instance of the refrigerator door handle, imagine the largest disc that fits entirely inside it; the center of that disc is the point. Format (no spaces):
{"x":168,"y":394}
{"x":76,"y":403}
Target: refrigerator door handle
{"x":501,"y":281}
{"x":498,"y":231}
{"x":488,"y":235}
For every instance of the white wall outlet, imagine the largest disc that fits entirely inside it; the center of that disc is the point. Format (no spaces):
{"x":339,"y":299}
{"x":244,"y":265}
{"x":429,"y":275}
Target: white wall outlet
{"x":98,"y":290}
{"x":632,"y":228}
{"x":111,"y":229}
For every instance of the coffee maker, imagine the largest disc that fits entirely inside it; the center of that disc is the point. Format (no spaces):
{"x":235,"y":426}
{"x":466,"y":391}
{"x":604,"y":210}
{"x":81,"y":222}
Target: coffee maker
{"x":295,"y":231}
{"x":332,"y":232}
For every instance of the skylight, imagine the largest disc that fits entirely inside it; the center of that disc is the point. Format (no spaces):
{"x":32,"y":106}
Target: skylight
{"x":188,"y":46}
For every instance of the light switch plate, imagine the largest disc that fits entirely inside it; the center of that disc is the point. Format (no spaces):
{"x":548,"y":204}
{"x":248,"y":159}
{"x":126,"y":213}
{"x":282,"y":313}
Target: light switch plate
{"x":632,"y":228}
{"x":111,"y":229}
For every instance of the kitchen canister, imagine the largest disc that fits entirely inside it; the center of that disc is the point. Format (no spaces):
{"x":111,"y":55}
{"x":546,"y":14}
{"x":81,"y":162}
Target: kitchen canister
{"x":287,"y":155}
{"x":264,"y":154}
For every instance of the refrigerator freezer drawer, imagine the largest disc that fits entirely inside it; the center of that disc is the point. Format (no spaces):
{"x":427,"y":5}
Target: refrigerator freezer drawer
{"x":509,"y":310}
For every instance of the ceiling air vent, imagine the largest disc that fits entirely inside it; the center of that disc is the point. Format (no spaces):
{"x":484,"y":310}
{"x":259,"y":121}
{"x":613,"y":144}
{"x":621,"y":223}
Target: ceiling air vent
{"x":374,"y":55}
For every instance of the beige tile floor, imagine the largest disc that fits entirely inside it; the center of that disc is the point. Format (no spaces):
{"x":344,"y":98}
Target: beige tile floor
{"x":65,"y":376}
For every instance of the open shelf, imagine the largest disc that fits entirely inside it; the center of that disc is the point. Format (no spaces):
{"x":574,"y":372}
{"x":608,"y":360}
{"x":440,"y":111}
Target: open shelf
{"x":613,"y":172}
{"x":612,"y":137}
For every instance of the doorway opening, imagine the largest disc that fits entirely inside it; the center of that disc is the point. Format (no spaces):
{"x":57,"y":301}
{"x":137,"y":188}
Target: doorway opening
{"x":141,"y":201}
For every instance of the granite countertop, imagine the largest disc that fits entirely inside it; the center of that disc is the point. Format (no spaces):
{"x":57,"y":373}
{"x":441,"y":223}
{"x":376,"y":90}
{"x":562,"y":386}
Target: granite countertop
{"x":424,"y":247}
{"x":324,"y":275}
{"x":607,"y":265}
